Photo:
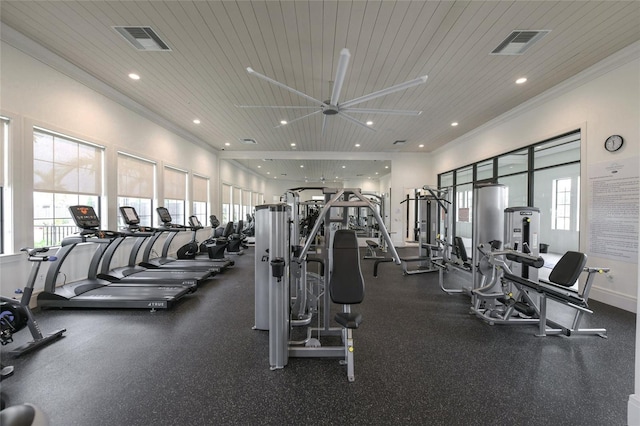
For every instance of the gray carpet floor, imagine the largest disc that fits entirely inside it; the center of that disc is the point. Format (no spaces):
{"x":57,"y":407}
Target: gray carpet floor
{"x":420,"y":358}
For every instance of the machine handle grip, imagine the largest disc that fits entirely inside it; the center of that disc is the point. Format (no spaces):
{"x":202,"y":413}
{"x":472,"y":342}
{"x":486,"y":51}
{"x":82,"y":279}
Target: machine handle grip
{"x":375,"y":265}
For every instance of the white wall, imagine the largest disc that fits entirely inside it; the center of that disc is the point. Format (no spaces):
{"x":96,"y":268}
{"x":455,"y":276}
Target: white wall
{"x":232,"y":173}
{"x":408,"y":171}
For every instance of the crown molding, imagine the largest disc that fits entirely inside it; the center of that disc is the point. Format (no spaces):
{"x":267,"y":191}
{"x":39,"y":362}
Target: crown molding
{"x":51,"y":59}
{"x":612,"y":62}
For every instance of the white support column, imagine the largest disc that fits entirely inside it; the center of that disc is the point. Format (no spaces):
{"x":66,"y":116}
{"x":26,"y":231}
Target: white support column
{"x":633,"y":408}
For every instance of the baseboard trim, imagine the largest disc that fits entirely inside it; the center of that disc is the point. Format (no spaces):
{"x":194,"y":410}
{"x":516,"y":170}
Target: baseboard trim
{"x":618,"y":300}
{"x":633,"y":411}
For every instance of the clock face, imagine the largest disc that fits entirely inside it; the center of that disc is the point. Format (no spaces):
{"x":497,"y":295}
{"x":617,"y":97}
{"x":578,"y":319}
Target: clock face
{"x":613,"y":143}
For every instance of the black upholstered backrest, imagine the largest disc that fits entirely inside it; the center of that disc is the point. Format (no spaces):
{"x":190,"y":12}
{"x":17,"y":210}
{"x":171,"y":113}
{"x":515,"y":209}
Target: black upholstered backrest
{"x":461,"y":251}
{"x":228,"y":230}
{"x":568,"y":268}
{"x":346,"y":285}
{"x":214,"y":221}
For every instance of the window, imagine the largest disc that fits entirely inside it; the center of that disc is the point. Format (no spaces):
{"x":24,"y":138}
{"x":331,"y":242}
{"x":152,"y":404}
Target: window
{"x":4,"y":144}
{"x":513,"y":163}
{"x":246,"y":205}
{"x":66,"y":172}
{"x":136,"y":186}
{"x":561,"y":213}
{"x":175,"y":193}
{"x":516,"y":189}
{"x":201,"y":198}
{"x":255,"y":200}
{"x":236,"y":200}
{"x":226,"y":204}
{"x":544,"y":175}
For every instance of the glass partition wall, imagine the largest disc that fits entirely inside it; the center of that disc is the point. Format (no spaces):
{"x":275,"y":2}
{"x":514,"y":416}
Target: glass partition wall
{"x":544,"y":175}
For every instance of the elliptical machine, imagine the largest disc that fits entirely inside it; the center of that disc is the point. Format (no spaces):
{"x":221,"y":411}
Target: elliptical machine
{"x":16,"y":315}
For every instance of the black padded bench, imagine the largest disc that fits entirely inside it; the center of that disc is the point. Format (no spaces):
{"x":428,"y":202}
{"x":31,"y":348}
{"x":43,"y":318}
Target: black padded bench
{"x":563,"y":276}
{"x":372,"y":246}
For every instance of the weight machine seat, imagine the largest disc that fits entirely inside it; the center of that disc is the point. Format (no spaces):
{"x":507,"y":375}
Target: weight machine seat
{"x":346,"y":286}
{"x":372,"y":244}
{"x":564,"y":275}
{"x":348,"y":320}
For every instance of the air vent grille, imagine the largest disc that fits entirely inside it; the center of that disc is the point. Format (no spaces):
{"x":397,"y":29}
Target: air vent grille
{"x":143,"y":38}
{"x":248,"y":141}
{"x":519,"y":41}
{"x":400,"y":142}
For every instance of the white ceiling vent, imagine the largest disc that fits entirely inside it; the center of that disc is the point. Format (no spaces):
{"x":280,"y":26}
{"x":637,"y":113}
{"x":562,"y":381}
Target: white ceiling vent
{"x":143,"y":38}
{"x":519,"y":41}
{"x":400,"y":143}
{"x":248,"y":141}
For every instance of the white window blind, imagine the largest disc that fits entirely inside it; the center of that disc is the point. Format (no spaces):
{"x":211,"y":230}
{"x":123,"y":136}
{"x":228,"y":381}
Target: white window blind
{"x":237,"y":199}
{"x":4,"y":140}
{"x":135,"y":177}
{"x":226,"y":194}
{"x":246,"y":204}
{"x":200,"y":189}
{"x":175,"y":184}
{"x":256,"y":199}
{"x":65,"y":165}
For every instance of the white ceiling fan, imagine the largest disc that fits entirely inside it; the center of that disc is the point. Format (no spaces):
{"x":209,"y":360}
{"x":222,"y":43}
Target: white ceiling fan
{"x":332,"y":106}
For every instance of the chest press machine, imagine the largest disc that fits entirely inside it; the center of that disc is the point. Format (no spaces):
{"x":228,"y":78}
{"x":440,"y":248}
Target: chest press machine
{"x":342,"y":282}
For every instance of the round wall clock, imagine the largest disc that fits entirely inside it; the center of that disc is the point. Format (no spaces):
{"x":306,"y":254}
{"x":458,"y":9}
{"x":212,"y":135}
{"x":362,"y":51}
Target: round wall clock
{"x":613,"y":143}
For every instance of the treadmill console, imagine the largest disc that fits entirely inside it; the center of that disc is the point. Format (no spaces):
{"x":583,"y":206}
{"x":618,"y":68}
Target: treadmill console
{"x":129,"y":215}
{"x":85,"y":217}
{"x":165,"y":216}
{"x":195,"y":222}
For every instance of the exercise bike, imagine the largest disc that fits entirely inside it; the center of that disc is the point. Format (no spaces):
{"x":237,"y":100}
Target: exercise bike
{"x":16,"y":315}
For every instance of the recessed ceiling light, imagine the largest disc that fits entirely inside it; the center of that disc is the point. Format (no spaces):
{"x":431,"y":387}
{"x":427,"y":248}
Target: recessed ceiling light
{"x":377,"y":173}
{"x":369,"y":123}
{"x":275,"y":177}
{"x":259,"y":167}
{"x":302,"y":166}
{"x":227,"y":144}
{"x":454,"y":124}
{"x":357,"y":145}
{"x":344,"y":167}
{"x":134,"y":76}
{"x":521,"y":80}
{"x":293,"y":144}
{"x":268,"y":173}
{"x":283,"y":121}
{"x":421,"y":146}
{"x":196,"y":121}
{"x":386,"y":167}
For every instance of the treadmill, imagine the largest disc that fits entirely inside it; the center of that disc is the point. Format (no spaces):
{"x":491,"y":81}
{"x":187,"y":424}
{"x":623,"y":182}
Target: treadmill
{"x":167,"y":262}
{"x":136,"y":274}
{"x":94,"y":292}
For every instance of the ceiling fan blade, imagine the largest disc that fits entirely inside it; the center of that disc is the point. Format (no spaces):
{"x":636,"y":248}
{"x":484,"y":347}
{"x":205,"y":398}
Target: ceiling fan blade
{"x":341,"y":72}
{"x":276,"y":107}
{"x":285,"y":87}
{"x":384,"y":92}
{"x":381,"y":111}
{"x":324,"y":123}
{"x":353,"y":120}
{"x":299,"y":118}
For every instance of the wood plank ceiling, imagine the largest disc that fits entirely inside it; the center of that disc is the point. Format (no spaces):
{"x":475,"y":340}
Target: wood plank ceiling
{"x":298,"y":43}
